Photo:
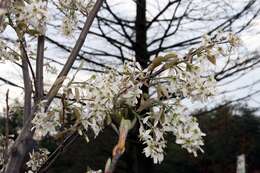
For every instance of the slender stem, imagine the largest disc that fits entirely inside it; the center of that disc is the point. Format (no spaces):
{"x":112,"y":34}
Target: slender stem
{"x":74,"y":53}
{"x":6,"y":127}
{"x":27,"y":84}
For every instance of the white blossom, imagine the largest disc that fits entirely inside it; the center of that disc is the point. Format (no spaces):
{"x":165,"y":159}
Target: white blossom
{"x":70,"y":8}
{"x":154,"y":139}
{"x":7,"y":54}
{"x":68,"y":25}
{"x":188,"y":134}
{"x":37,"y":159}
{"x":45,"y":123}
{"x":193,"y":83}
{"x":34,"y":13}
{"x":103,"y":93}
{"x":185,"y":128}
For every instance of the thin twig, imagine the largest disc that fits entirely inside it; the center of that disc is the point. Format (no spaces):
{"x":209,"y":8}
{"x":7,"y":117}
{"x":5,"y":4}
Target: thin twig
{"x":74,"y":53}
{"x":6,"y":127}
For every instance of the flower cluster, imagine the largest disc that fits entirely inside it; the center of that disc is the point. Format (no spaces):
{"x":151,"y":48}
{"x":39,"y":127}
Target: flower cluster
{"x":191,"y":83}
{"x":188,"y":134}
{"x":37,"y":159}
{"x":154,"y":139}
{"x":103,"y":94}
{"x":70,"y":8}
{"x":81,"y":5}
{"x":45,"y":123}
{"x":68,"y":24}
{"x":31,"y":16}
{"x":155,"y":126}
{"x":34,"y":13}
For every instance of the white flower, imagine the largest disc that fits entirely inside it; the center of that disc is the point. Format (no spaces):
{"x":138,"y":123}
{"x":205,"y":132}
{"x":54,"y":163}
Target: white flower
{"x":154,"y":140}
{"x":68,"y":24}
{"x":45,"y":123}
{"x":188,"y":134}
{"x":193,"y":85}
{"x":102,"y":94}
{"x":152,"y":131}
{"x":70,"y":9}
{"x":37,"y":159}
{"x":34,"y":13}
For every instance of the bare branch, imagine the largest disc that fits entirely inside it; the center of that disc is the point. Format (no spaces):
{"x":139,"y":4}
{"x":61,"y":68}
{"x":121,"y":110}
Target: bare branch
{"x":39,"y":69}
{"x":27,"y":85}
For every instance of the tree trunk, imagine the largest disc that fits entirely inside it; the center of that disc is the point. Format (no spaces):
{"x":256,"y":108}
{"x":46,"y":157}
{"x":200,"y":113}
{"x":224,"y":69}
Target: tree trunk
{"x":141,"y":34}
{"x":137,"y":161}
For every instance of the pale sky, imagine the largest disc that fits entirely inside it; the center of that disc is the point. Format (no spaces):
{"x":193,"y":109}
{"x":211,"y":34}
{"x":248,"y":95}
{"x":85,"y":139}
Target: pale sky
{"x":250,"y":38}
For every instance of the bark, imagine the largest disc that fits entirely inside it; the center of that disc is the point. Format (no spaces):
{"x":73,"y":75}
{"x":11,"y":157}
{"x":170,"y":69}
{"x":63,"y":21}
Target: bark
{"x":24,"y":141}
{"x":141,"y":34}
{"x":39,"y":91}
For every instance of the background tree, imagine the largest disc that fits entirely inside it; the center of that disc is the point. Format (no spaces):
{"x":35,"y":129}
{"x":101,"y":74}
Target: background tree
{"x":151,"y":28}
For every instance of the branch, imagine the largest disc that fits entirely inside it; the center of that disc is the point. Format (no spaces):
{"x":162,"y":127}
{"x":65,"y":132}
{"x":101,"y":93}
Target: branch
{"x":75,"y":67}
{"x":120,"y":23}
{"x":195,"y":40}
{"x":235,"y":68}
{"x":10,"y":83}
{"x":74,"y":53}
{"x":27,"y":84}
{"x":229,"y":102}
{"x":170,"y":24}
{"x":58,"y":151}
{"x":39,"y":69}
{"x":80,"y":56}
{"x":167,"y":6}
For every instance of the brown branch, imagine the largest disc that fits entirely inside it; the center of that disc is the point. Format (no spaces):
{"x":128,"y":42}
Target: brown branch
{"x":39,"y":91}
{"x":58,"y":151}
{"x":27,"y":85}
{"x":10,"y":83}
{"x":80,"y":55}
{"x":120,"y":23}
{"x":74,"y":53}
{"x":170,"y":25}
{"x":26,"y":58}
